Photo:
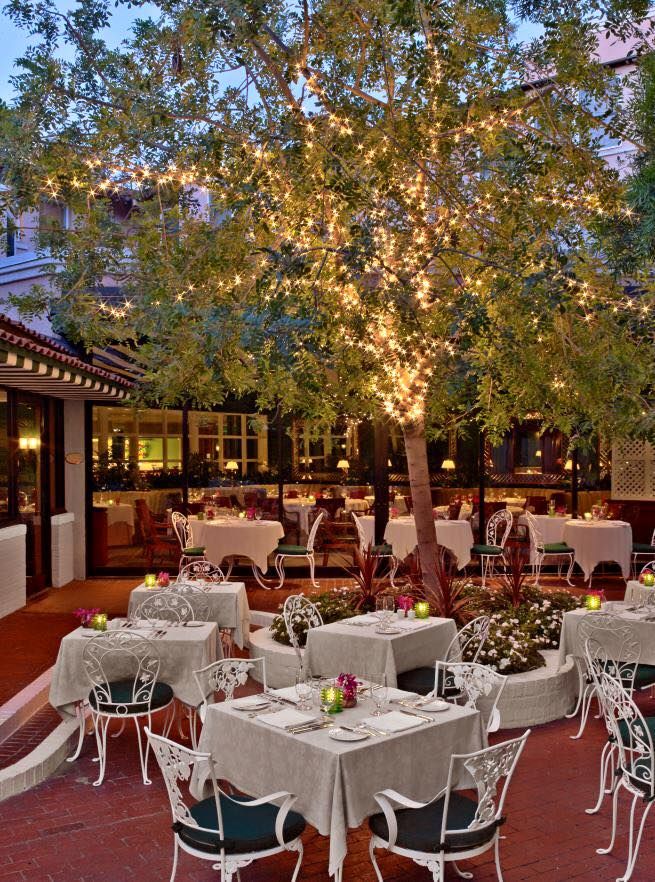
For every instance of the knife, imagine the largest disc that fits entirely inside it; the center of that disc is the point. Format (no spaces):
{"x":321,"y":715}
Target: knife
{"x":413,"y":713}
{"x":300,"y":730}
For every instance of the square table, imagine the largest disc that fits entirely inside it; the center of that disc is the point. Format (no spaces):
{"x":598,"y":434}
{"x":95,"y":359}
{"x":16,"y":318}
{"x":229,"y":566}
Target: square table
{"x":238,"y":537}
{"x":228,"y":606}
{"x":335,"y":781}
{"x":645,"y":631}
{"x":635,"y":592}
{"x":182,"y":650}
{"x":350,"y":647}
{"x":400,"y":533}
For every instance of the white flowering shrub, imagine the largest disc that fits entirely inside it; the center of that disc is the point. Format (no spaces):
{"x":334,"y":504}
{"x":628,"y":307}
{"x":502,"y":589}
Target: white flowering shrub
{"x":510,"y":647}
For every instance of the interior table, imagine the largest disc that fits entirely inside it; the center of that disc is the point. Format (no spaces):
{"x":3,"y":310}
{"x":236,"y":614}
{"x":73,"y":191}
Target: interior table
{"x":334,"y":781}
{"x":597,"y":541}
{"x":182,"y":651}
{"x":400,"y":533}
{"x":228,"y":606}
{"x":120,"y":522}
{"x":301,"y":506}
{"x":356,"y":646}
{"x":238,"y":537}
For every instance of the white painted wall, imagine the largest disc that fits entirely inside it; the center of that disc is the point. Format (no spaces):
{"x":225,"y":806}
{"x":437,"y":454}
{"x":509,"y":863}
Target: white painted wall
{"x":62,"y":531}
{"x":13,"y":567}
{"x":75,"y":484}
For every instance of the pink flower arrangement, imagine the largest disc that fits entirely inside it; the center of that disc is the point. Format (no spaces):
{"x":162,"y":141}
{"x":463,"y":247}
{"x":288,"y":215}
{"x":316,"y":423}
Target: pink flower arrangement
{"x":209,"y":514}
{"x":348,"y":682}
{"x":393,"y":512}
{"x":405,"y":602}
{"x":250,"y":514}
{"x":600,"y":593}
{"x":86,"y":615}
{"x":163,"y":579}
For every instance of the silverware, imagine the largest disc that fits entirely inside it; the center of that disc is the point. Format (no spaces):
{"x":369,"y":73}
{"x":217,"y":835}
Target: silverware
{"x":413,"y":713}
{"x":365,"y":729}
{"x":300,"y":730}
{"x":280,"y":699}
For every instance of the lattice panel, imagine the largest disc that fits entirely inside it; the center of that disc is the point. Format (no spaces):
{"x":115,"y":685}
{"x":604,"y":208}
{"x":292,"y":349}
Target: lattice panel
{"x":633,"y":470}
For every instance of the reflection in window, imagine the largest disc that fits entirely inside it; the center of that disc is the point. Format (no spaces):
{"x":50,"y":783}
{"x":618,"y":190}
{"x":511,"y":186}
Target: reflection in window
{"x":4,"y":457}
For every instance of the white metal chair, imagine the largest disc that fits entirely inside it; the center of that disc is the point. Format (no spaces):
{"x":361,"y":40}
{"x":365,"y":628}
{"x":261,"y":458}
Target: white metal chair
{"x":182,"y":530}
{"x":472,"y":685}
{"x":641,"y":550}
{"x":229,"y":831}
{"x":384,"y":550}
{"x":466,"y":645}
{"x":499,"y":526}
{"x":224,"y":676}
{"x":633,"y":736}
{"x":201,"y":571}
{"x":300,"y":614}
{"x":196,"y":596}
{"x":541,"y":551}
{"x":297,"y":551}
{"x":123,"y":669}
{"x":168,"y":606}
{"x":452,"y":826}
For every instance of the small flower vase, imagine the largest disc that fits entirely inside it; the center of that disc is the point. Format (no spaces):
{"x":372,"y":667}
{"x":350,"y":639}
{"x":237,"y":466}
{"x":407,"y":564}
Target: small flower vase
{"x":401,"y":613}
{"x":411,"y":614}
{"x":350,"y":699}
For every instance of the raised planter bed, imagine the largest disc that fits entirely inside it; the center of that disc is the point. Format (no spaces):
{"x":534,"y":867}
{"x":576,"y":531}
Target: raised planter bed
{"x":530,"y":699}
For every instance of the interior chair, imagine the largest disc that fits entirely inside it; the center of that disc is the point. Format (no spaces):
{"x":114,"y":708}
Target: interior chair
{"x":383,"y":551}
{"x":640,"y":550}
{"x":299,"y":551}
{"x":452,"y":826}
{"x":499,"y":526}
{"x":466,"y":645}
{"x":633,"y":736}
{"x":156,"y":541}
{"x":123,"y":670}
{"x":542,"y":551}
{"x":182,"y":530}
{"x":228,"y":831}
{"x":300,"y":615}
{"x":336,"y":535}
{"x":409,"y":504}
{"x":472,"y":684}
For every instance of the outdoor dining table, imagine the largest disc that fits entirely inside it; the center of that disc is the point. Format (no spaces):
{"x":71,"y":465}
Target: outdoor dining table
{"x":334,"y":781}
{"x":644,"y":631}
{"x":400,"y":533}
{"x":238,"y":537}
{"x":356,"y":646}
{"x":635,"y":592}
{"x":550,"y":528}
{"x":182,"y":651}
{"x":227,"y":601}
{"x":598,"y":541}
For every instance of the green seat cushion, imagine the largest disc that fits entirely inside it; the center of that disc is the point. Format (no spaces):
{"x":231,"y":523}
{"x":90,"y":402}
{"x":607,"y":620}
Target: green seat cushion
{"x":420,"y":829}
{"x":558,"y":548}
{"x":419,"y":680}
{"x":644,"y":675}
{"x":121,"y":693}
{"x":486,"y":549}
{"x":641,"y":775}
{"x":291,"y":549}
{"x":642,"y":548}
{"x":382,"y":549}
{"x":194,"y":550}
{"x":244,"y":829}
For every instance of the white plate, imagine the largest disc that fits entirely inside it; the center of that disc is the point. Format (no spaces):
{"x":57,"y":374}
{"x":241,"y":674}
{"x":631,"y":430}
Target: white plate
{"x":250,"y":704}
{"x":194,"y":624}
{"x":344,"y":735}
{"x":433,"y":707}
{"x":389,"y":631}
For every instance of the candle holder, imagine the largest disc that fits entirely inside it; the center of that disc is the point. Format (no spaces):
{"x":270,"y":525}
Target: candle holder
{"x":422,"y":609}
{"x":332,"y":699}
{"x":150,"y":580}
{"x":592,"y":601}
{"x":163,"y":580}
{"x":99,"y":622}
{"x":649,"y":580}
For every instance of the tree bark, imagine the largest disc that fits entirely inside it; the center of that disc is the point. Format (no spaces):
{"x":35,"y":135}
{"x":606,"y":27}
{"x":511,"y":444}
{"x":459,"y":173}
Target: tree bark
{"x":416,"y":450}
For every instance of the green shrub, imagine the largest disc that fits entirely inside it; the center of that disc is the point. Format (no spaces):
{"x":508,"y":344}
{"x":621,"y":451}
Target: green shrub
{"x":333,"y":606}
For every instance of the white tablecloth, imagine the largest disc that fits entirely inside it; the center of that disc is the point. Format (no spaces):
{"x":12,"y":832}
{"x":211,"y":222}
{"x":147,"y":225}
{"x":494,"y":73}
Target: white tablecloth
{"x":335,"y":781}
{"x":302,"y":508}
{"x":356,"y":649}
{"x":182,"y":651}
{"x":596,"y":541}
{"x":357,"y":504}
{"x":240,"y":537}
{"x":120,"y":522}
{"x":228,"y":607}
{"x":400,"y":533}
{"x":551,"y":530}
{"x":645,"y":632}
{"x":635,"y":592}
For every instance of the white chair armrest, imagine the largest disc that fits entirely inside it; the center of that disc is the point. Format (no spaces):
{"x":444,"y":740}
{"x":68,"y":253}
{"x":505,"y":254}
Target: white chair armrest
{"x":289,"y":799}
{"x":384,"y":798}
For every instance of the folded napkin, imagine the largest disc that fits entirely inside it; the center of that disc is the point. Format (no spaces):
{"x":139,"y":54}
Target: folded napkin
{"x":394,"y":721}
{"x":288,"y":693}
{"x":363,"y":620}
{"x":411,"y":624}
{"x":286,"y":718}
{"x":394,"y":694}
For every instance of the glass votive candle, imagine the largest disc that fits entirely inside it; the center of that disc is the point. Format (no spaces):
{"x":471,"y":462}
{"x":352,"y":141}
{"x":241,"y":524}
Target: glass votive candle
{"x":332,"y":699}
{"x":592,"y":601}
{"x":649,"y":579}
{"x":422,"y":609}
{"x":99,"y":622}
{"x":150,"y":580}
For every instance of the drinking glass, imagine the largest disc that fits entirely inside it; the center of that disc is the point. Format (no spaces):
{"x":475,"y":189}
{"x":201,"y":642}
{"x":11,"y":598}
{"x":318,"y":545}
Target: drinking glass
{"x":379,"y":691}
{"x":325,"y":703}
{"x":303,"y":690}
{"x":258,"y":514}
{"x":380,"y":612}
{"x":389,"y":607}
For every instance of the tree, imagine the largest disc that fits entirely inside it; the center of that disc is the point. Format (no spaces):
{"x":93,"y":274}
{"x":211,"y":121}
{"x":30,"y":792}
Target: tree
{"x":409,"y":211}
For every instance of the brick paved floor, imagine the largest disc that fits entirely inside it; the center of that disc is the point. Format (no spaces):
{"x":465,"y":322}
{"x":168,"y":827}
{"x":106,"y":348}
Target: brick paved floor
{"x":28,"y":736}
{"x":65,"y":830}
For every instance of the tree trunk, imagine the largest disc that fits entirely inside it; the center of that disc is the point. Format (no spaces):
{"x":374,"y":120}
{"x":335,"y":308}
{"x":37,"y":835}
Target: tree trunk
{"x":416,"y":450}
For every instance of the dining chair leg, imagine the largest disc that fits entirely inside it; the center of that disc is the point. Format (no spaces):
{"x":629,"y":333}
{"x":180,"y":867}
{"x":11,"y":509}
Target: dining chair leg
{"x":175,"y":855}
{"x":634,"y":849}
{"x":143,"y":755}
{"x":606,"y":773}
{"x":461,"y":873}
{"x":590,"y":691}
{"x":371,"y":851}
{"x":615,"y":803}
{"x":279,"y":566}
{"x":298,"y":847}
{"x":395,"y":563}
{"x":120,"y":731}
{"x":499,"y":871}
{"x":100,"y":725}
{"x":310,"y":558}
{"x":79,"y":710}
{"x":570,"y":570}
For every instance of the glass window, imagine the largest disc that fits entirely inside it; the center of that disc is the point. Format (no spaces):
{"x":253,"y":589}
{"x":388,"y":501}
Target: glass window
{"x":174,"y":449}
{"x":232,"y":424}
{"x":151,"y":422}
{"x":207,"y":423}
{"x":208,"y":448}
{"x":174,"y":422}
{"x":232,"y":448}
{"x":252,"y":448}
{"x":4,"y":457}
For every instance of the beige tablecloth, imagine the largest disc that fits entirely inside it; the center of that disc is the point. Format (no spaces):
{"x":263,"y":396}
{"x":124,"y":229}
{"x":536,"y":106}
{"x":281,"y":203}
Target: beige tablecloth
{"x":302,"y":508}
{"x":234,"y":536}
{"x":335,"y":781}
{"x":597,"y":541}
{"x":357,"y":504}
{"x":645,"y":631}
{"x":551,"y":530}
{"x":228,"y":607}
{"x":360,"y":650}
{"x":400,"y":533}
{"x":635,"y":592}
{"x":182,"y":651}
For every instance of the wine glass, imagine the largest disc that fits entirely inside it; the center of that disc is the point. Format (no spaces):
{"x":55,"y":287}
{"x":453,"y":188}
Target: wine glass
{"x":380,"y":612}
{"x":324,"y":701}
{"x":379,"y":691}
{"x":303,"y":689}
{"x":389,"y":607}
{"x":258,"y":514}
